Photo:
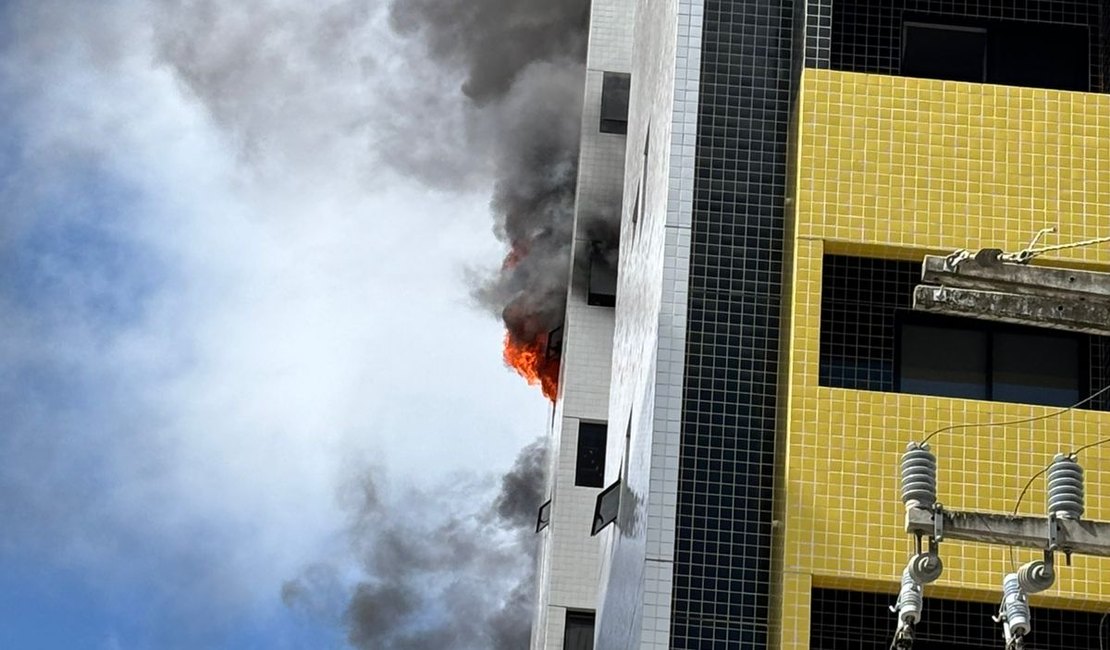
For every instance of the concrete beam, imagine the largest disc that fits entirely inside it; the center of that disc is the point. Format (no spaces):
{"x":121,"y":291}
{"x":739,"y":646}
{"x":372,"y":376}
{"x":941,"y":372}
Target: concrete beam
{"x":986,"y":273}
{"x":1080,"y":537}
{"x":1063,"y":312}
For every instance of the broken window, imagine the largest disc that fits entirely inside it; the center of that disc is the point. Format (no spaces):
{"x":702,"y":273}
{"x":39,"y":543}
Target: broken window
{"x":602,"y":290}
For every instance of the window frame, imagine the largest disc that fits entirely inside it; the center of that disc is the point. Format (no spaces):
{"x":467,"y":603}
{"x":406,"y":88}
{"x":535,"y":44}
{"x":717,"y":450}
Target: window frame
{"x":604,"y":427}
{"x":903,"y":317}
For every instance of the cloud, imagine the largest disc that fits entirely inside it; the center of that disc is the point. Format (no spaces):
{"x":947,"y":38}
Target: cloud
{"x":216,"y":294}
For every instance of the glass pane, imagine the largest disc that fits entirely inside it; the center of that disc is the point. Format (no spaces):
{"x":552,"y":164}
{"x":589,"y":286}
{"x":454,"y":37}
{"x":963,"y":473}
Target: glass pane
{"x":579,"y":631}
{"x":590,"y":468}
{"x":606,"y":508}
{"x":948,"y":362}
{"x":944,"y":52}
{"x":1035,"y":369}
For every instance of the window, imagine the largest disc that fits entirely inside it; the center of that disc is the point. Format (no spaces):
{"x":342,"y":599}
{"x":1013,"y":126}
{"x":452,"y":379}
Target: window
{"x":589,"y":469}
{"x":543,"y":517}
{"x":614,"y":102}
{"x":579,"y":633}
{"x":606,"y":508}
{"x":956,"y":357}
{"x":1009,"y":52}
{"x":945,"y":361}
{"x":944,"y":52}
{"x":602,"y":289}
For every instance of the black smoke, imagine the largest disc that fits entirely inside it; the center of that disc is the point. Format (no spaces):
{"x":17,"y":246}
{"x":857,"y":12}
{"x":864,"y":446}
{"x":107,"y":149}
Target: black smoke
{"x":462,"y":580}
{"x":523,"y":62}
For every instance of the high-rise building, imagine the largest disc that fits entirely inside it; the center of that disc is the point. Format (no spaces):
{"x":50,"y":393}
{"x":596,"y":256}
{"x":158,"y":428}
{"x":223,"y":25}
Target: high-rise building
{"x":782,"y":171}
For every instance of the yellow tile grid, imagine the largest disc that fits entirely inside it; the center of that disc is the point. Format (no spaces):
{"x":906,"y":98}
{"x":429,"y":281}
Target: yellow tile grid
{"x":897,"y":167}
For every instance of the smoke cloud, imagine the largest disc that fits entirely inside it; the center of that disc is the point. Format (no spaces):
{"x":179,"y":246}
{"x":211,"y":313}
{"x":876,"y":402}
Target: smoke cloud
{"x":458,"y":94}
{"x":523,"y":66}
{"x":461,"y":579}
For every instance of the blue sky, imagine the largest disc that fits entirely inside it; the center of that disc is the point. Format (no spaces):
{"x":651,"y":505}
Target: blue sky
{"x":220,"y":309}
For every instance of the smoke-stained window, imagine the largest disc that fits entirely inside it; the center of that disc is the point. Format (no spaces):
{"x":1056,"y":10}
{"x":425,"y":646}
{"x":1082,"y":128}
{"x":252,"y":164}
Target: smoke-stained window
{"x":602,"y":290}
{"x":589,"y":470}
{"x":614,"y":102}
{"x":579,"y":631}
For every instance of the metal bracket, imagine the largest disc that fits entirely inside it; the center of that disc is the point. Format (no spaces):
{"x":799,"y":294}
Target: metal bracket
{"x":938,"y":522}
{"x":1053,"y":533}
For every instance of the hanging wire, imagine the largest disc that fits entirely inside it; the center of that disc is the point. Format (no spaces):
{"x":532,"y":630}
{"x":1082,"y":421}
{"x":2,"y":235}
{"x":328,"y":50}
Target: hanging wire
{"x":1007,"y":423}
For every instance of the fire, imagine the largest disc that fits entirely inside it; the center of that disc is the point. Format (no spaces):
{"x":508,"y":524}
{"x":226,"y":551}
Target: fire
{"x":530,"y":361}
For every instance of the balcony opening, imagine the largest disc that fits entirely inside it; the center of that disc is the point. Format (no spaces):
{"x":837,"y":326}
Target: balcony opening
{"x":871,"y":339}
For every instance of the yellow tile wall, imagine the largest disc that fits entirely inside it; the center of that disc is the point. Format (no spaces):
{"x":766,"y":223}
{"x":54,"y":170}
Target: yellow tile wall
{"x":899,"y":167}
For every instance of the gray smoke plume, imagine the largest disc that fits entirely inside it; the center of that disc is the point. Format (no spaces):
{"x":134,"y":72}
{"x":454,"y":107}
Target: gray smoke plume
{"x":462,"y":581}
{"x":523,"y":61}
{"x":468,"y":91}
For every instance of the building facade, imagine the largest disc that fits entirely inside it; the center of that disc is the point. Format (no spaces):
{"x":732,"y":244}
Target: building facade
{"x":786,"y":167}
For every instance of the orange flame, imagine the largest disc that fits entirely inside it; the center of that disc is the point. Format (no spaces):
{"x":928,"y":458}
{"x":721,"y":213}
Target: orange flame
{"x":531,"y":362}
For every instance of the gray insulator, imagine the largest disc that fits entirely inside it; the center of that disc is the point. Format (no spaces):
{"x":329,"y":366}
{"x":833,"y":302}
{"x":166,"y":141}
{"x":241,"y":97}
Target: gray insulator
{"x":1065,"y":488}
{"x":925,"y":567}
{"x":919,"y":476}
{"x":1036,"y":576}
{"x":909,"y":599}
{"x":1015,"y":607}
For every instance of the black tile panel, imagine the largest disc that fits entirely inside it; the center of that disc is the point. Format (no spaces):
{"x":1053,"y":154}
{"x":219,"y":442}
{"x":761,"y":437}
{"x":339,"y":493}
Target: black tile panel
{"x":722,"y":570}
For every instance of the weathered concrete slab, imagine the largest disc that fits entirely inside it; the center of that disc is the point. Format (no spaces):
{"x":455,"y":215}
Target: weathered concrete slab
{"x":1081,"y":537}
{"x":1060,"y":312}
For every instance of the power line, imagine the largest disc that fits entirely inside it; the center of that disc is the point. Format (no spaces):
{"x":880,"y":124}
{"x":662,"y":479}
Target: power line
{"x":1006,"y":423}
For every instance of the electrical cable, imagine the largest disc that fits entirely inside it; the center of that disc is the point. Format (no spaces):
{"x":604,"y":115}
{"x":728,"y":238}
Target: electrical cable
{"x":1006,"y":423}
{"x":1101,"y":637}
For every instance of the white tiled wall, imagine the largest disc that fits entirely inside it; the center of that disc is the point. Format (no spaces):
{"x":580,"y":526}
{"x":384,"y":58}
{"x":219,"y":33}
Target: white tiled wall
{"x":568,"y":566}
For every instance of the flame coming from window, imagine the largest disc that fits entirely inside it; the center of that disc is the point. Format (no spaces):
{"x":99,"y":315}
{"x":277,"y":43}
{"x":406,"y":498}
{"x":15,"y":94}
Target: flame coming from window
{"x":531,"y":361}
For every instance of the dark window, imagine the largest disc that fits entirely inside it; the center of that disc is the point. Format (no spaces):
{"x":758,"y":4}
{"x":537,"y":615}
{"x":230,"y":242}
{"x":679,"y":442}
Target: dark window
{"x":944,"y":52}
{"x":1039,"y":55}
{"x":579,"y":631}
{"x":853,"y":620}
{"x":614,"y":102}
{"x":959,"y":357}
{"x":1035,"y":368}
{"x":1008,"y":52}
{"x":943,"y":360}
{"x":602,"y":290}
{"x":543,"y":517}
{"x":606,"y":508}
{"x":589,"y":470}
